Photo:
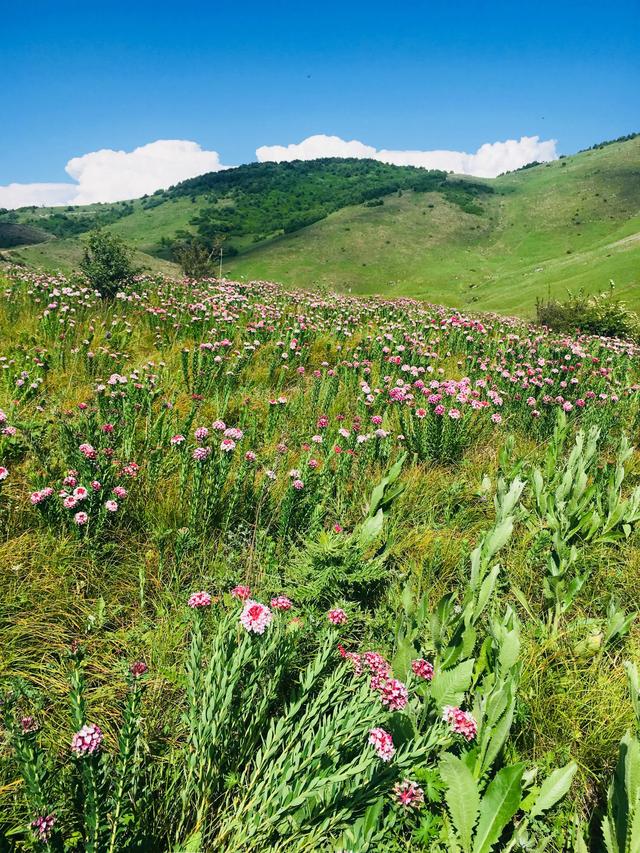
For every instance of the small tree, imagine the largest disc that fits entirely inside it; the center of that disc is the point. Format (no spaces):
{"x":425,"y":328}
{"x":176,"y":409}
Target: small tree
{"x":196,"y":259}
{"x":107,"y":263}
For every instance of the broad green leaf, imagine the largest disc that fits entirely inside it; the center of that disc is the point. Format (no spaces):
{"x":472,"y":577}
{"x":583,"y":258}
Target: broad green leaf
{"x":449,"y":686}
{"x":462,"y":797}
{"x":499,"y":537}
{"x":193,"y":844}
{"x":401,"y":663}
{"x":486,"y":589}
{"x":498,"y":806}
{"x":553,"y":789}
{"x":371,"y":528}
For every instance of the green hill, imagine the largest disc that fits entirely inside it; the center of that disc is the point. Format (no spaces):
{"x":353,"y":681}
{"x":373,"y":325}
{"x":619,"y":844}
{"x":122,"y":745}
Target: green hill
{"x":368,"y":227}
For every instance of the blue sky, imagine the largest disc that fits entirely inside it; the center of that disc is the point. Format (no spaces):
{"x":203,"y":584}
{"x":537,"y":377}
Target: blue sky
{"x":79,"y":77}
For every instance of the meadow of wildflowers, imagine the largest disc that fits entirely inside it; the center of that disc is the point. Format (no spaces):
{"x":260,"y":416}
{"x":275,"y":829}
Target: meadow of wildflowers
{"x":295,"y":572}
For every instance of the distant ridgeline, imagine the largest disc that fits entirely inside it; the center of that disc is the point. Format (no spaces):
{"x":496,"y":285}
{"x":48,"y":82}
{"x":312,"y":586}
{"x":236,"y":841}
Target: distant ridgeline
{"x":262,"y":200}
{"x":606,"y":142}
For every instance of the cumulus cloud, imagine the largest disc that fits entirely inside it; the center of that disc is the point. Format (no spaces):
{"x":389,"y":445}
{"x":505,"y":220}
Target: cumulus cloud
{"x":489,"y":160}
{"x":109,"y":175}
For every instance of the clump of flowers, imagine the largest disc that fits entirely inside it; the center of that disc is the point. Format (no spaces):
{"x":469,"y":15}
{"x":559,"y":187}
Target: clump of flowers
{"x":393,"y":693}
{"x":281,"y":602}
{"x":461,"y":722}
{"x":43,"y":826}
{"x":29,"y":725}
{"x":255,"y":617}
{"x":87,"y":740}
{"x":138,"y":668}
{"x":422,"y":668}
{"x":241,"y":592}
{"x":199,"y":599}
{"x":408,"y":794}
{"x":337,"y":616}
{"x":382,"y":742}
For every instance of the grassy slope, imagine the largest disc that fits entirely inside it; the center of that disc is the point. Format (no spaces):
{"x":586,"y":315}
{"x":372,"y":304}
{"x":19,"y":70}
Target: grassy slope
{"x":587,"y":205}
{"x":573,"y":223}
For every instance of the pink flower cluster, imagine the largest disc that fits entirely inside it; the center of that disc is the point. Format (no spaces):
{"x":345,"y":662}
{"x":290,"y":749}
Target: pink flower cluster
{"x":393,"y":693}
{"x":382,"y":742}
{"x":199,"y":599}
{"x":241,"y":592}
{"x":281,"y":602}
{"x":43,"y":826}
{"x":422,"y":668}
{"x":337,"y":616}
{"x":255,"y":617}
{"x":461,"y":722}
{"x":409,"y":794}
{"x":87,"y":740}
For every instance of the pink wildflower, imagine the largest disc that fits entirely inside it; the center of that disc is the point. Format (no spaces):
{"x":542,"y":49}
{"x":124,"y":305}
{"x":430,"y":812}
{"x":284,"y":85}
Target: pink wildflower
{"x":241,"y":592}
{"x":111,"y":506}
{"x":138,"y":668}
{"x":199,"y":599}
{"x":227,"y":445}
{"x":393,"y":694}
{"x":42,"y":826}
{"x":281,"y":602}
{"x":29,"y":725}
{"x":376,"y":664}
{"x":461,"y":722}
{"x":4,"y":473}
{"x":81,"y":518}
{"x":382,"y":742}
{"x":409,"y":794}
{"x":423,"y":668}
{"x":87,"y":740}
{"x":255,"y":616}
{"x":337,"y":616}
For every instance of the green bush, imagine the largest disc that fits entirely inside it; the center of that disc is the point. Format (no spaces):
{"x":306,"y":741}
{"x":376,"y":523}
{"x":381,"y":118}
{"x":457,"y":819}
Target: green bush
{"x":107,"y":263}
{"x":600,"y":314}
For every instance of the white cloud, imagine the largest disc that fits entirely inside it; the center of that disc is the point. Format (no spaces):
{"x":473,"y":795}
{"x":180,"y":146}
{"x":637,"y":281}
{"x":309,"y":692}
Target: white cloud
{"x":108,"y":175}
{"x":489,"y":160}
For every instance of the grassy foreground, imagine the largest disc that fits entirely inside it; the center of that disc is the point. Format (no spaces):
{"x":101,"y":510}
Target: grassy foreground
{"x":289,"y":572}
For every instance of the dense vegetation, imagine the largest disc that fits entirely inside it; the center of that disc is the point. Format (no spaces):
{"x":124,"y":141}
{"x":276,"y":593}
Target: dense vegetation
{"x":262,"y":199}
{"x":297,"y":573}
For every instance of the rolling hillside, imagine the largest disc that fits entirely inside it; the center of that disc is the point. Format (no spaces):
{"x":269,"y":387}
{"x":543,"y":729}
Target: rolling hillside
{"x":373,"y":228}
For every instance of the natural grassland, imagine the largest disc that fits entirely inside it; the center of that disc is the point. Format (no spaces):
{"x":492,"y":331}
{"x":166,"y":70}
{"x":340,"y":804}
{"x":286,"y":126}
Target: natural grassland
{"x":474,"y":244}
{"x":574,"y":223}
{"x":436,"y":516}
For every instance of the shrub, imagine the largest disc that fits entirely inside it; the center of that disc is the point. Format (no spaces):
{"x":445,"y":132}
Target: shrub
{"x":107,"y":263}
{"x":601,"y":314}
